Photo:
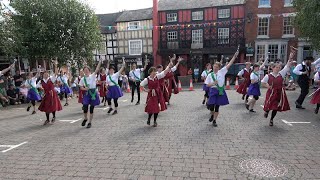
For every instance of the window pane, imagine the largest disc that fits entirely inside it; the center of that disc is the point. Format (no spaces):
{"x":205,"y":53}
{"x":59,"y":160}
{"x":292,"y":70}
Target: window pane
{"x":223,"y":36}
{"x":135,"y":47}
{"x":133,"y":25}
{"x":224,"y":13}
{"x":273,"y":49}
{"x":261,"y":51}
{"x":288,"y":25}
{"x":288,"y":2}
{"x":198,"y":15}
{"x":197,"y":36}
{"x":263,"y":26}
{"x":172,"y":36}
{"x":283,"y":55}
{"x":264,"y":2}
{"x":173,"y":17}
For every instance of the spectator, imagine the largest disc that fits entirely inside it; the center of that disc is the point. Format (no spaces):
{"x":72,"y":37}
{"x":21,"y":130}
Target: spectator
{"x":13,"y":95}
{"x":190,"y":71}
{"x":3,"y":95}
{"x":17,"y":79}
{"x":196,"y":72}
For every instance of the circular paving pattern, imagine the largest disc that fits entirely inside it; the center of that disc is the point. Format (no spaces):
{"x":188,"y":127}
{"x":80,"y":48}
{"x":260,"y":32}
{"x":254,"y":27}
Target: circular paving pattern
{"x":263,"y":168}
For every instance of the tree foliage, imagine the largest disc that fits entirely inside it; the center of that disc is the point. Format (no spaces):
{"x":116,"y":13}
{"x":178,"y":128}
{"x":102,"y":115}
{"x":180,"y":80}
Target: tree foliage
{"x":307,"y":20}
{"x":63,"y":29}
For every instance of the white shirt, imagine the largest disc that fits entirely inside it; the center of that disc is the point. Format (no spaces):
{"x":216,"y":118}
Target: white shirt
{"x":204,"y":73}
{"x":32,"y":81}
{"x":77,"y":80}
{"x":282,"y":73}
{"x":242,"y":71}
{"x":220,"y":77}
{"x":298,"y":68}
{"x":114,"y":77}
{"x":62,"y":79}
{"x":136,"y":74}
{"x":316,"y":77}
{"x":52,"y":78}
{"x":255,"y":77}
{"x":158,"y":75}
{"x":91,"y":80}
{"x":173,"y":69}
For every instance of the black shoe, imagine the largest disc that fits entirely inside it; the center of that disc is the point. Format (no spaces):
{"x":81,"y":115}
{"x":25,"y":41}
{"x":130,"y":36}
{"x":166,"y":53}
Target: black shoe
{"x":214,"y":123}
{"x":247,"y":106}
{"x":299,"y":107}
{"x":155,"y":124}
{"x":132,"y":100}
{"x":115,"y":112}
{"x":316,"y":111}
{"x":53,"y":120}
{"x":46,"y":122}
{"x":203,"y":102}
{"x":148,"y":122}
{"x":266,"y":114}
{"x":28,"y":108}
{"x":109,"y":111}
{"x":89,"y":125}
{"x":84,"y":122}
{"x":33,"y":112}
{"x":271,"y":123}
{"x":242,"y":97}
{"x":138,"y":103}
{"x":66,"y":104}
{"x":252,"y":111}
{"x":211,"y":119}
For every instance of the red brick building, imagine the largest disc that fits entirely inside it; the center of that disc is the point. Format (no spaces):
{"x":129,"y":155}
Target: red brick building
{"x":199,"y":31}
{"x":269,"y":28}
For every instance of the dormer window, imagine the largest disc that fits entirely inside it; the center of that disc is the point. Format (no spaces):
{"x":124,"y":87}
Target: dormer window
{"x":197,"y":15}
{"x":133,"y":25}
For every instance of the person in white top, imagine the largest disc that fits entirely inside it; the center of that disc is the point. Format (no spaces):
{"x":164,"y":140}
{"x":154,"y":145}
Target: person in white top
{"x":155,"y":100}
{"x":2,"y":90}
{"x":217,"y":95}
{"x":135,"y":79}
{"x":276,"y":98}
{"x":33,"y":94}
{"x":102,"y":84}
{"x":244,"y":75}
{"x":114,"y":91}
{"x":2,"y":72}
{"x":204,"y":76}
{"x":303,"y":70}
{"x":88,"y":84}
{"x":77,"y":81}
{"x":63,"y":83}
{"x":316,"y":94}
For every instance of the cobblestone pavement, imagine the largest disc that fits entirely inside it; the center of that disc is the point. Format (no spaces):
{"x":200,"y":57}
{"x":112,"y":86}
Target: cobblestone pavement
{"x":184,"y":145}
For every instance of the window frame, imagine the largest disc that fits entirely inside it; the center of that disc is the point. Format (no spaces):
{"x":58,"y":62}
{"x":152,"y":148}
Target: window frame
{"x":197,"y":11}
{"x":286,"y":4}
{"x":221,"y":9}
{"x":172,"y":40}
{"x":130,"y":27}
{"x":288,"y":26}
{"x":282,"y":51}
{"x":263,"y":16}
{"x":264,"y":5}
{"x":168,"y":14}
{"x":223,"y":41}
{"x":129,"y":46}
{"x":200,"y":38}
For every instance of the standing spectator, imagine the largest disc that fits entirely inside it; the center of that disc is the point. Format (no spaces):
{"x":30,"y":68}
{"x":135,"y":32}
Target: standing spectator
{"x":124,"y":81}
{"x":3,"y":95}
{"x":196,"y":72}
{"x":17,"y":79}
{"x":13,"y":95}
{"x":190,"y":72}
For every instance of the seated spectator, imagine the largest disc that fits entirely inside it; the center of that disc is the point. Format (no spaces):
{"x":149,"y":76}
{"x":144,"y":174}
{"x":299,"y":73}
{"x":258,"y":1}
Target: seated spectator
{"x":3,"y":95}
{"x":12,"y":94}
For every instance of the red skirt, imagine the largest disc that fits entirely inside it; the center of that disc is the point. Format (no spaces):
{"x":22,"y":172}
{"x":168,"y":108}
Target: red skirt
{"x":276,"y":99}
{"x":155,"y":102}
{"x":315,"y":98}
{"x":165,"y":92}
{"x":81,"y":96}
{"x":50,"y":102}
{"x":243,"y":87}
{"x":102,"y":90}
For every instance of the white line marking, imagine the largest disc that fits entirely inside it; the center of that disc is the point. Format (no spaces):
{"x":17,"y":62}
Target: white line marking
{"x":71,"y":121}
{"x":11,"y":147}
{"x":102,"y":108}
{"x":291,"y":123}
{"x":124,"y":100}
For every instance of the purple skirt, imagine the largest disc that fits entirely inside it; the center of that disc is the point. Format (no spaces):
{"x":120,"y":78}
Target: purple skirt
{"x":254,"y":90}
{"x":216,"y":99}
{"x":33,"y":95}
{"x":205,"y":88}
{"x":65,"y":89}
{"x":114,"y":92}
{"x":89,"y":100}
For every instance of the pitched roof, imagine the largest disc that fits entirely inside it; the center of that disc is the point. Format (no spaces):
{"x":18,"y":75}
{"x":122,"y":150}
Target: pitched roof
{"x":165,"y":5}
{"x":135,"y":15}
{"x":107,"y":20}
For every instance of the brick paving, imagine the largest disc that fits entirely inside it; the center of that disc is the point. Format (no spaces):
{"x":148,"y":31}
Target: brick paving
{"x":184,"y":146}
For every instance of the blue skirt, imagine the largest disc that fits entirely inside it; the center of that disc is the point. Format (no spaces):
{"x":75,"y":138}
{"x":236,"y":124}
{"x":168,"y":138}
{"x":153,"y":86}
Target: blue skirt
{"x":65,"y":89}
{"x":33,"y":95}
{"x":216,"y":99}
{"x":87,"y":99}
{"x":205,"y":88}
{"x":114,"y":92}
{"x":254,"y":90}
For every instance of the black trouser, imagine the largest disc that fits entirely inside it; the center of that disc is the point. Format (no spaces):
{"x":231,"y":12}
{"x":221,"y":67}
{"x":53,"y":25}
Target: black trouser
{"x":214,"y":108}
{"x":256,"y":97}
{"x":86,"y":107}
{"x":12,"y":101}
{"x":155,"y":116}
{"x":304,"y":85}
{"x":135,"y":85}
{"x":114,"y":100}
{"x":120,"y":83}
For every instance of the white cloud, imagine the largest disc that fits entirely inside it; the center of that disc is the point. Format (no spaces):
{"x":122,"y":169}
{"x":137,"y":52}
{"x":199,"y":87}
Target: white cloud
{"x":111,"y":6}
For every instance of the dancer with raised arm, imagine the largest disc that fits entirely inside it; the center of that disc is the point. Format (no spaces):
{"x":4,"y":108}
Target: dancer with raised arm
{"x":62,"y":81}
{"x":169,"y":80}
{"x":114,"y":91}
{"x":135,"y":78}
{"x":276,"y":99}
{"x":155,"y":101}
{"x":33,"y":94}
{"x":244,"y":74}
{"x":91,"y":98}
{"x":102,"y":81}
{"x":204,"y":76}
{"x":217,"y":95}
{"x":50,"y":102}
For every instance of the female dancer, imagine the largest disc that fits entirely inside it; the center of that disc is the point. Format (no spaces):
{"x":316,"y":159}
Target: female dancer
{"x":316,"y":95}
{"x":114,"y":91}
{"x":204,"y":76}
{"x":88,"y":84}
{"x":77,"y":81}
{"x":276,"y":98}
{"x":245,"y":74}
{"x":254,"y":88}
{"x":103,"y":86}
{"x":62,"y":82}
{"x":33,"y":94}
{"x":169,"y":79}
{"x":217,"y":95}
{"x":50,"y":102}
{"x":155,"y":100}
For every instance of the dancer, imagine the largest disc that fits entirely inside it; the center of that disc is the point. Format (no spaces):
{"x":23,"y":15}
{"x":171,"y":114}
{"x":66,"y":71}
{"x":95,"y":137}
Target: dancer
{"x":135,"y":78}
{"x":62,"y":82}
{"x":245,"y":75}
{"x":303,"y":71}
{"x":204,"y":76}
{"x":169,"y":80}
{"x":50,"y":102}
{"x":276,"y":99}
{"x":103,"y":86}
{"x":217,"y":95}
{"x":254,"y":88}
{"x":316,"y":94}
{"x":114,"y":91}
{"x":155,"y":101}
{"x":77,"y":81}
{"x":88,"y":84}
{"x":33,"y":94}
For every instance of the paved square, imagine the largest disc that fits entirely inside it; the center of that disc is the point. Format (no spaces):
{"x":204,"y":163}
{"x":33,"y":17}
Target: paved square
{"x":184,"y":145}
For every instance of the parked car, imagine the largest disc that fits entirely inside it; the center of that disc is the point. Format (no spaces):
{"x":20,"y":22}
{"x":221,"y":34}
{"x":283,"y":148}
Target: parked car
{"x":233,"y":72}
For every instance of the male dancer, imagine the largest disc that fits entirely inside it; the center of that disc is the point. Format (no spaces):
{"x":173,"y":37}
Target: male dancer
{"x":135,"y":77}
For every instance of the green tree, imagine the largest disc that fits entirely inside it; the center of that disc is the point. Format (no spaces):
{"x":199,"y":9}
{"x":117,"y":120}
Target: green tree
{"x":307,"y":20}
{"x":63,"y":29}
